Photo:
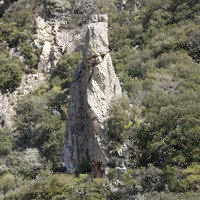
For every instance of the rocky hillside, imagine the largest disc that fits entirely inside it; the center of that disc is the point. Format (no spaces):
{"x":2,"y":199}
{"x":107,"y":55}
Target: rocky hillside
{"x":66,"y":117}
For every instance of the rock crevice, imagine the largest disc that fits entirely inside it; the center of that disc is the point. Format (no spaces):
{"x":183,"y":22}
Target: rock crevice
{"x":94,"y":86}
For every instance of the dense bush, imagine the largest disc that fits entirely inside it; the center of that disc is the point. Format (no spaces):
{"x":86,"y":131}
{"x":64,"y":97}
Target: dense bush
{"x":61,"y":186}
{"x":156,"y":57}
{"x":181,"y":180}
{"x":31,"y":56}
{"x":6,"y":141}
{"x":39,"y":125}
{"x":62,"y":75}
{"x":17,"y":27}
{"x":155,"y":49}
{"x":120,"y":120}
{"x":11,"y":72}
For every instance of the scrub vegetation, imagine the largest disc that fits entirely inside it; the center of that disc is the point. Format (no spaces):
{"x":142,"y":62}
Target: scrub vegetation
{"x":155,"y":47}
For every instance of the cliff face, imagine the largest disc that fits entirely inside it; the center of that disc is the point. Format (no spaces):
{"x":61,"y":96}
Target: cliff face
{"x":56,"y":38}
{"x":52,"y":37}
{"x":94,"y":86}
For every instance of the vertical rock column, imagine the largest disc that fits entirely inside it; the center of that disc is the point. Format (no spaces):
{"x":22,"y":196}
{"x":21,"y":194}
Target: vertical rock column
{"x":94,"y":86}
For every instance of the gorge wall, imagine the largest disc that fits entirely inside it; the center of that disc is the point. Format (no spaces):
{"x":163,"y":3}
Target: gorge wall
{"x":94,"y":86}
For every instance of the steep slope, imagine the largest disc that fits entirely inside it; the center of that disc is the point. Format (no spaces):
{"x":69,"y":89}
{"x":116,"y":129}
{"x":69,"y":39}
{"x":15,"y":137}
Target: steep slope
{"x":94,"y":86}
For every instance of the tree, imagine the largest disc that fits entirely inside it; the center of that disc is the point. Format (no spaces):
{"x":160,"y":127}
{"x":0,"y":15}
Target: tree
{"x":6,"y":140}
{"x":39,"y":125}
{"x":11,"y":72}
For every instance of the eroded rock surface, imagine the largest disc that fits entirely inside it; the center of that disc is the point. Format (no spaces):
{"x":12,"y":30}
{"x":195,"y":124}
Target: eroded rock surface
{"x":54,"y":38}
{"x":94,"y":86}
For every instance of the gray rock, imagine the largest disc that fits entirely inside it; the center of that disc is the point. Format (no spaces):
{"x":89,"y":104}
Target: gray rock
{"x":120,"y":171}
{"x":54,"y":38}
{"x":44,"y":63}
{"x":96,"y":40}
{"x":94,"y":86}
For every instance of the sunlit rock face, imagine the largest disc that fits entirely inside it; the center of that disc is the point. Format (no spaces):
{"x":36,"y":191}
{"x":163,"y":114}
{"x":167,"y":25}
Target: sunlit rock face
{"x":94,"y":86}
{"x":54,"y":38}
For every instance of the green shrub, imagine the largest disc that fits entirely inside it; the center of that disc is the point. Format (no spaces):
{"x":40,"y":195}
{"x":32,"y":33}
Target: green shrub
{"x":112,"y":175}
{"x":7,"y":182}
{"x":11,"y":72}
{"x":181,"y":180}
{"x":61,"y":186}
{"x":25,"y":164}
{"x":62,"y":75}
{"x":191,"y":178}
{"x":6,"y":141}
{"x":40,"y":125}
{"x":149,"y":179}
{"x":120,"y":120}
{"x":31,"y":56}
{"x":172,"y":196}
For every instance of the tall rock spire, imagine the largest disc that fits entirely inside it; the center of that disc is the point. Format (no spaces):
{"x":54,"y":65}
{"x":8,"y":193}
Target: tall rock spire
{"x":94,"y":86}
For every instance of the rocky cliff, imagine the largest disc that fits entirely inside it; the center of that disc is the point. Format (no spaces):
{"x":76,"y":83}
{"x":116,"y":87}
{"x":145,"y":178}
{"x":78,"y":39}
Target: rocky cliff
{"x":94,"y":86}
{"x":54,"y":38}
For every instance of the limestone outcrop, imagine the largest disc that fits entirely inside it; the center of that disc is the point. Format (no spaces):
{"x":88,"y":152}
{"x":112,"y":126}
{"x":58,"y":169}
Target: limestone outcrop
{"x":54,"y":38}
{"x":94,"y":86}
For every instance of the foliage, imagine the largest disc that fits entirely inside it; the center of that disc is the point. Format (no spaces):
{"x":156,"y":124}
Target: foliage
{"x":31,"y":55}
{"x":155,"y":49}
{"x":26,"y":163}
{"x":172,"y":196}
{"x":18,"y":168}
{"x":17,"y":25}
{"x":120,"y":120}
{"x":6,"y":141}
{"x":83,"y":9}
{"x":11,"y":71}
{"x":181,"y":180}
{"x":61,"y":186}
{"x":62,"y":75}
{"x":155,"y":52}
{"x":39,"y":125}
